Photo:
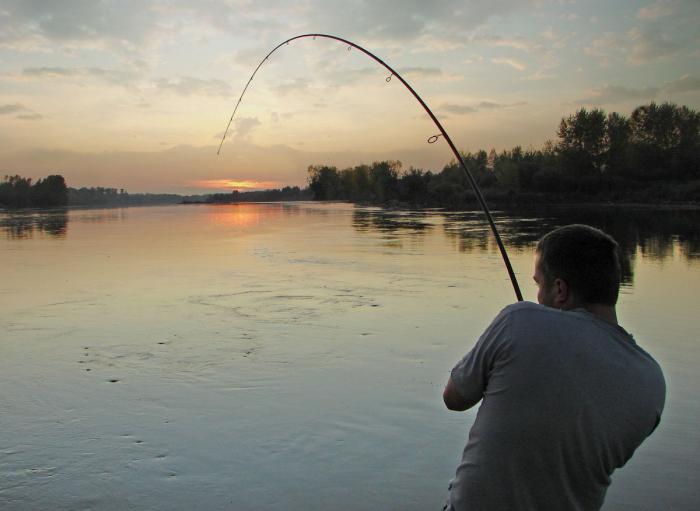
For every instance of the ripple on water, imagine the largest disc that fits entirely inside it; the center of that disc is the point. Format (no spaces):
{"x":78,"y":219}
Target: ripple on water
{"x":289,"y":306}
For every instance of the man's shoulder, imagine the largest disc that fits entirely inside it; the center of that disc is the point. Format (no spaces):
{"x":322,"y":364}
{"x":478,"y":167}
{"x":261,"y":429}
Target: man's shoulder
{"x":533,"y":312}
{"x":526,"y":308}
{"x":532,"y":319}
{"x":516,"y":318}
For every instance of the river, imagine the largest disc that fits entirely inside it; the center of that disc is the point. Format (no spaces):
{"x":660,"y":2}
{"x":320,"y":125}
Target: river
{"x":292,"y":355}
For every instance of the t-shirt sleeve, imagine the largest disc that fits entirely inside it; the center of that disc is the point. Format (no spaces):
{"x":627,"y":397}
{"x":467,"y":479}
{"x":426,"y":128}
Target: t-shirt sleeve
{"x":471,"y":374}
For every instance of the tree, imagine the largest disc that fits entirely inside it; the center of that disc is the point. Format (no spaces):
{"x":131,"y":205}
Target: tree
{"x":451,"y":187}
{"x":665,"y":141}
{"x":413,"y":186}
{"x":617,"y":135}
{"x":384,"y":178}
{"x":324,"y":182}
{"x":582,"y":142}
{"x":687,"y":155}
{"x":15,"y":191}
{"x":50,"y":192}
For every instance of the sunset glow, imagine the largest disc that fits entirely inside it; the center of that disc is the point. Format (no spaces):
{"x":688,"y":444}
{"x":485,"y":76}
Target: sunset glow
{"x":241,"y":215}
{"x":231,"y":184}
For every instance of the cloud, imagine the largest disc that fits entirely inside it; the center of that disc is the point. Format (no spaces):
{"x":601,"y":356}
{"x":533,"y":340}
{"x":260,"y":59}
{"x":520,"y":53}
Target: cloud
{"x":350,"y":77}
{"x":540,"y":74}
{"x":556,"y":39}
{"x":330,"y":74}
{"x":604,"y":47}
{"x":509,"y":62}
{"x":244,"y":126}
{"x":490,"y":105}
{"x":292,"y":86}
{"x":125,"y":24}
{"x":138,"y":25}
{"x":636,"y":46}
{"x":11,"y":109}
{"x":617,"y":93}
{"x":111,"y":76}
{"x":190,"y":86}
{"x":402,"y":20}
{"x":515,"y":42}
{"x":30,"y":117}
{"x":650,"y":45}
{"x":49,"y":72}
{"x":458,"y":109}
{"x":685,"y":83}
{"x":607,"y":94}
{"x":130,"y":27}
{"x":20,"y":112}
{"x":657,"y":10}
{"x":423,"y":72}
{"x":542,"y":44}
{"x":431,"y":43}
{"x":453,"y":108}
{"x":570,"y":17}
{"x":181,"y":85}
{"x":249,"y":57}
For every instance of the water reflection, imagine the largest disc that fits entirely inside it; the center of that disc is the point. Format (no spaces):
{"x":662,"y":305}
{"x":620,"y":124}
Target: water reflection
{"x":520,"y":233}
{"x":98,"y":216}
{"x":25,"y":225}
{"x":238,"y":215}
{"x":395,"y":227}
{"x":391,"y":221}
{"x":646,"y":232}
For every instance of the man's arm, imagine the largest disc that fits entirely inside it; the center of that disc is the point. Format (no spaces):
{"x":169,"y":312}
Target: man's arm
{"x":454,"y":400}
{"x":469,"y":378}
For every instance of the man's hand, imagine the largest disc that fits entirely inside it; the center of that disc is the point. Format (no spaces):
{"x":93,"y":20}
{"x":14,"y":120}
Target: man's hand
{"x":453,"y":399}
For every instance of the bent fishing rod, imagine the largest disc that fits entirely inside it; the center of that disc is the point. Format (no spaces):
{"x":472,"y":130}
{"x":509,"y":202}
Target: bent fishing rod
{"x":431,"y":140}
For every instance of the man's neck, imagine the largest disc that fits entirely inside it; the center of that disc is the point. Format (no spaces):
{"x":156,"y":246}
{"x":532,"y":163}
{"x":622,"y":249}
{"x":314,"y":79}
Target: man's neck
{"x":606,"y":312}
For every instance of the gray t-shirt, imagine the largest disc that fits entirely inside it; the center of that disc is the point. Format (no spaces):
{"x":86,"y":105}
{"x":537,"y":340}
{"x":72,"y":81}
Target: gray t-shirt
{"x":567,"y":398}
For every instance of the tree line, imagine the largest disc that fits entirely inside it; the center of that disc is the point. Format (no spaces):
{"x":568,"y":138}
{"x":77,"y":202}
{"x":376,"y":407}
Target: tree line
{"x":288,"y":193}
{"x":101,"y":196}
{"x":52,"y":191}
{"x":19,"y":192}
{"x":654,"y":154}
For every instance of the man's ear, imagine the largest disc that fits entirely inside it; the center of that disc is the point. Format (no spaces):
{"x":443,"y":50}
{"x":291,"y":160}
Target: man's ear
{"x":561,"y":293}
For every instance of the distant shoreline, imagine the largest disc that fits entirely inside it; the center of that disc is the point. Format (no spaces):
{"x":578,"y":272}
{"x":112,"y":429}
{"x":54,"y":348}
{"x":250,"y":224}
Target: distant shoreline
{"x":494,"y":205}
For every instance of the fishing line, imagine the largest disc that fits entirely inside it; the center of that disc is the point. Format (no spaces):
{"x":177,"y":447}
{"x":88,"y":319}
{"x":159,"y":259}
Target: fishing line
{"x":431,"y":140}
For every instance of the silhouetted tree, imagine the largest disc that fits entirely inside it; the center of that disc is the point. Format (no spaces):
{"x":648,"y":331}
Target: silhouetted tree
{"x":50,"y":192}
{"x":324,"y":182}
{"x":450,"y":188}
{"x":617,"y":134}
{"x":384,"y":177}
{"x":413,"y":186}
{"x":288,"y":193}
{"x":665,"y":141}
{"x":597,"y":155}
{"x":582,"y":142}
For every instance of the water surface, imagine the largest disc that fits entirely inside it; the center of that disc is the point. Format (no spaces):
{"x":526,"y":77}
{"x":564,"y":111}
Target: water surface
{"x":292,"y":356}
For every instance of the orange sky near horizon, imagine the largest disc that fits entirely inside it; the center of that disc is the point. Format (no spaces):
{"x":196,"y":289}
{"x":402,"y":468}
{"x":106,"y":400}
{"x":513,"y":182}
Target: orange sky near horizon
{"x":228,"y":184}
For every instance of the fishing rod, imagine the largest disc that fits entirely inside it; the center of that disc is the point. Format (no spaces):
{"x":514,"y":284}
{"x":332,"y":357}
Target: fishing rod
{"x":431,"y":139}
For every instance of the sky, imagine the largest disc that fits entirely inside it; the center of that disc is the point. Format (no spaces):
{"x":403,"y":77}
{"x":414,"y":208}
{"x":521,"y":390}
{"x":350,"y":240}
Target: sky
{"x":136,"y":94}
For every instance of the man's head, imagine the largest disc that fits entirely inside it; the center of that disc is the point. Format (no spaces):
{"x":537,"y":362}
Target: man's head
{"x":575,"y":266}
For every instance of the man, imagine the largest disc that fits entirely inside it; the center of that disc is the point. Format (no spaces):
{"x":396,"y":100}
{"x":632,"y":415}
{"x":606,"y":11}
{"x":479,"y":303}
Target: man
{"x":567,"y":393}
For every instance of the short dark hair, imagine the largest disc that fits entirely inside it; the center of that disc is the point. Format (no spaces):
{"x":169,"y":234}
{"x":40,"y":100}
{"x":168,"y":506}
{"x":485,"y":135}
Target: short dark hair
{"x":584,"y":257}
